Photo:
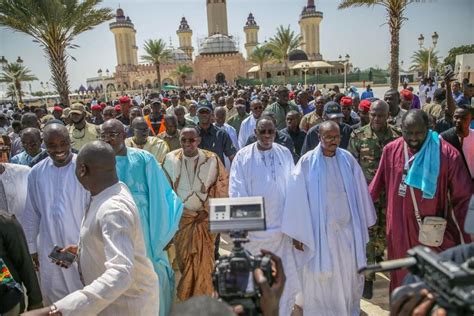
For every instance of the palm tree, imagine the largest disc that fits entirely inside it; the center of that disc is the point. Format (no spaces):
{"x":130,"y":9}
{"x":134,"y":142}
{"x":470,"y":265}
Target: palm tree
{"x":260,"y":55}
{"x":419,"y":61}
{"x":156,"y":53}
{"x":182,"y":72}
{"x":282,"y":44}
{"x":13,"y":93}
{"x":395,"y":10}
{"x":14,"y":74}
{"x":54,"y":24}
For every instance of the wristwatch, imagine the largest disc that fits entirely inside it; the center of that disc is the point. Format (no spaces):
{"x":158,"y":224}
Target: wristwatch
{"x":53,"y":310}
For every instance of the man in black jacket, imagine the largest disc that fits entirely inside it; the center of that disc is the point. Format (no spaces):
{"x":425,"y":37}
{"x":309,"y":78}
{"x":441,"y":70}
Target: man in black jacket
{"x":461,"y":137}
{"x":14,"y":253}
{"x":332,"y":111}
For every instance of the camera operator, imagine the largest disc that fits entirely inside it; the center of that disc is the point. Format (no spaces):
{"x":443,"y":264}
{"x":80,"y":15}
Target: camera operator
{"x":412,"y":300}
{"x":269,"y":301}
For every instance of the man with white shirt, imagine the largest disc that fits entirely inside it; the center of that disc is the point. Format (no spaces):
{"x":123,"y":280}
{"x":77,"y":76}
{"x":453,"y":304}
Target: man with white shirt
{"x":13,"y":185}
{"x":53,"y":212}
{"x":247,"y":127}
{"x":118,"y":277}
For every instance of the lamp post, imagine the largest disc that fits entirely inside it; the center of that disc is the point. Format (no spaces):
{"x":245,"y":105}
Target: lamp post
{"x":345,"y":62}
{"x":305,"y":69}
{"x":104,"y":86}
{"x":400,"y":69}
{"x":421,"y":40}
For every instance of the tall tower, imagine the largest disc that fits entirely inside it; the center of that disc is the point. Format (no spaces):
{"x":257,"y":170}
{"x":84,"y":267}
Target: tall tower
{"x":125,"y":42}
{"x":185,"y":34}
{"x":309,"y":25}
{"x":251,"y":34}
{"x":217,"y":17}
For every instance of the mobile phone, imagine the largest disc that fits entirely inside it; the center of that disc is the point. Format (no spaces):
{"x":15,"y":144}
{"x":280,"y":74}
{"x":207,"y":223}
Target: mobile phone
{"x":66,"y":258}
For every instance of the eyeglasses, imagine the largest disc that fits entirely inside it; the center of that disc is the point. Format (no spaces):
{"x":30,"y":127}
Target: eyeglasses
{"x":188,"y":140}
{"x":331,"y":138}
{"x":257,"y":108}
{"x":109,"y":135}
{"x":266,"y":131}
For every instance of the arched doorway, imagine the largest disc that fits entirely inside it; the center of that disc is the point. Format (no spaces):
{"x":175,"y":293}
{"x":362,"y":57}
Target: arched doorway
{"x":220,"y":78}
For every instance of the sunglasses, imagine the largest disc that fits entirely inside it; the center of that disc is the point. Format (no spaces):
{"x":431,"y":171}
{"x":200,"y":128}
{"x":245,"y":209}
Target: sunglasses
{"x":188,"y":140}
{"x":109,"y":135}
{"x":266,"y":131}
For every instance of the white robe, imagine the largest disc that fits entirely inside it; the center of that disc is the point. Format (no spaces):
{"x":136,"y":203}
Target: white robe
{"x":247,"y":129}
{"x":54,"y":209}
{"x":257,"y":173}
{"x":118,"y":276}
{"x":15,"y":182}
{"x":341,"y":217}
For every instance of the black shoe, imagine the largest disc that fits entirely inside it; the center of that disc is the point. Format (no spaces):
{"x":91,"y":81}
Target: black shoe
{"x":368,"y":290}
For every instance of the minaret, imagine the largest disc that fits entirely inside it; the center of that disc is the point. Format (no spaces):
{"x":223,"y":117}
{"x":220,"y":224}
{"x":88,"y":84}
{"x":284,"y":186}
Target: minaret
{"x":185,"y":37}
{"x":251,"y":34}
{"x":217,"y":17}
{"x":125,"y":42}
{"x":309,"y":25}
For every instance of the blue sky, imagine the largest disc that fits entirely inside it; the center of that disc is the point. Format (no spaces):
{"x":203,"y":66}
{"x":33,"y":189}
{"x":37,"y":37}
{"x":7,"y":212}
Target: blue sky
{"x":359,"y":32}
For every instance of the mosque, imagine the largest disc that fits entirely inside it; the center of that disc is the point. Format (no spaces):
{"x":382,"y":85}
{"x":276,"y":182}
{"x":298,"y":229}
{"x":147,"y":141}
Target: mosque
{"x":218,"y":59}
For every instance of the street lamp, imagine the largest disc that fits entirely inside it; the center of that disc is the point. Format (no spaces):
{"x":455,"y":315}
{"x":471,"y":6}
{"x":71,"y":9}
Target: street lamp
{"x":345,"y":62}
{"x":19,"y":60}
{"x":3,"y":62}
{"x":305,"y":69}
{"x":104,"y":87}
{"x":421,"y":40}
{"x":400,"y":69}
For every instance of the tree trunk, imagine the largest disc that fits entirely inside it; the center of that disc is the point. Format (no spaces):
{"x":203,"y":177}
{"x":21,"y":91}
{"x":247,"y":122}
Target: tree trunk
{"x":18,"y":90}
{"x":261,"y":72}
{"x":58,"y":63}
{"x":394,"y":25}
{"x":287,"y":71}
{"x":158,"y":75}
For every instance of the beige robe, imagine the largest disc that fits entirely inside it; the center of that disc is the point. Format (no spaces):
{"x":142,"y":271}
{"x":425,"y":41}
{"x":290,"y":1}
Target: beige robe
{"x":155,"y":146}
{"x":193,"y":241}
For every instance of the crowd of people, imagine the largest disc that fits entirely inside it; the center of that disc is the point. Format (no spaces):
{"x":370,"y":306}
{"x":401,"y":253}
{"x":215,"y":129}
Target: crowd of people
{"x":348,"y":180}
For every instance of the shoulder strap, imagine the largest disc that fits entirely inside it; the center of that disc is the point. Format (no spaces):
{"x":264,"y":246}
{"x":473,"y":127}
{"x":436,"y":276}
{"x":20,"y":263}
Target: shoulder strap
{"x":412,"y":191}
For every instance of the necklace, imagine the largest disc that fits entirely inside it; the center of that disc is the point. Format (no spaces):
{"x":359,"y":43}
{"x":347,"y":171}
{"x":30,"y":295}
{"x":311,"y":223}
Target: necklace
{"x":78,"y":133}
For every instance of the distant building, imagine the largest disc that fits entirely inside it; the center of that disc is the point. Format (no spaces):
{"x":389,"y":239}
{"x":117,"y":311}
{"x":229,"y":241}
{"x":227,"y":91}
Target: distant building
{"x":218,"y":58}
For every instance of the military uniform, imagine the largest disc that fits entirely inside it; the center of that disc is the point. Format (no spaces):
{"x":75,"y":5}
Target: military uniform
{"x":397,"y":119}
{"x":366,"y":146}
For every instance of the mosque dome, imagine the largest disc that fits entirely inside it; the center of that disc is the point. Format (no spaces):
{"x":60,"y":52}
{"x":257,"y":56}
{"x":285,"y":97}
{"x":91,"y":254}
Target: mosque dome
{"x":179,"y":56}
{"x":119,"y":13}
{"x":297,"y":55}
{"x":218,"y":44}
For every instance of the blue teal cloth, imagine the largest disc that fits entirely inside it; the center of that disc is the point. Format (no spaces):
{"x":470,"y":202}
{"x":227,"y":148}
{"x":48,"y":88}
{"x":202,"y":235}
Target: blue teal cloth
{"x":160,"y":212}
{"x":424,"y":171}
{"x":23,"y":158}
{"x":360,"y":204}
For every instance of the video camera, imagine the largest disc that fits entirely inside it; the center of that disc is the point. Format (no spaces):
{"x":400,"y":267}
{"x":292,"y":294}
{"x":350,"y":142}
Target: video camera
{"x":233,"y":277}
{"x":452,"y":284}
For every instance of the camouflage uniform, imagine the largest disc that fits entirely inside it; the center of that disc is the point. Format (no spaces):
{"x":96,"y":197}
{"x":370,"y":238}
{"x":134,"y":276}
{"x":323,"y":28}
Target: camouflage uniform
{"x":367,"y":146}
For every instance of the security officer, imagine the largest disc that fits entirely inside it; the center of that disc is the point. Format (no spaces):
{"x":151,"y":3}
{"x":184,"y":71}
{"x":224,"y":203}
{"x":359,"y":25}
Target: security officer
{"x":366,"y":145}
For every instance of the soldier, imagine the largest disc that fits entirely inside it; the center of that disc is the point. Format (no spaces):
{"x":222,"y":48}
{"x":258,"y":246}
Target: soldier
{"x":366,"y":145}
{"x":315,"y":117}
